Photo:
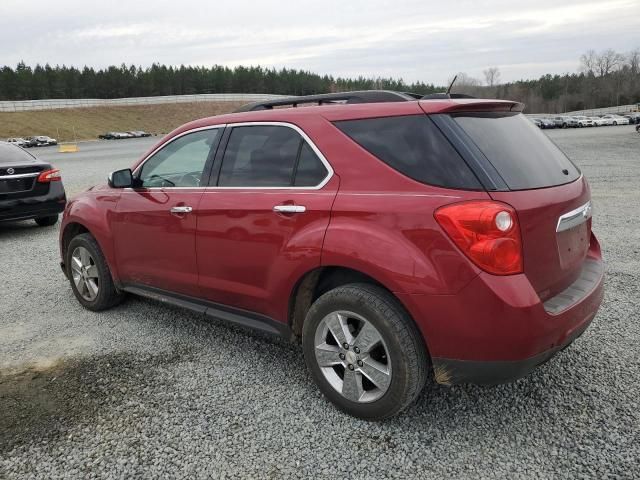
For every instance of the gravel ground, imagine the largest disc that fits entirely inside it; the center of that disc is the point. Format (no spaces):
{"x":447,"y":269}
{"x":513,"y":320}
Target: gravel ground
{"x":146,"y":390}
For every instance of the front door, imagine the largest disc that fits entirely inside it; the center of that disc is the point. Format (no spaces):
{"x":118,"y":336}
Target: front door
{"x":261,"y":225}
{"x":154,"y":228}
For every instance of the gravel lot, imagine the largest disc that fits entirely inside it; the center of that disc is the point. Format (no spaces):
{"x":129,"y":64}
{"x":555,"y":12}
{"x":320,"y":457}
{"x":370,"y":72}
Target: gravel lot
{"x":146,"y":390}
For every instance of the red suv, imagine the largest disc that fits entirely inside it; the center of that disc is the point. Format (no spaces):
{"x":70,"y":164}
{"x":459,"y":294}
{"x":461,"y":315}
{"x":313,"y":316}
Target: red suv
{"x":392,"y":235}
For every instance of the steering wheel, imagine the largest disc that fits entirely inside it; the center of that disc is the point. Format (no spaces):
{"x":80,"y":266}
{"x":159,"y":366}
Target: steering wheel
{"x":190,"y":180}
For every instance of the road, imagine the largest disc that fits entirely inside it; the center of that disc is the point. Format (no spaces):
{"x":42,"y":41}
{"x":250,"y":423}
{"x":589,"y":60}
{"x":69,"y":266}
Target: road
{"x":146,"y":390}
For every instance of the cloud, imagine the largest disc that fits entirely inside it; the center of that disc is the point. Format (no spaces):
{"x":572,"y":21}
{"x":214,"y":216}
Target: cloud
{"x":409,"y":39}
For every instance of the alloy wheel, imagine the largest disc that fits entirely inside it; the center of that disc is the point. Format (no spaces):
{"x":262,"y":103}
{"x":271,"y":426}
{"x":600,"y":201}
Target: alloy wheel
{"x":353,"y":356}
{"x":85,"y":274}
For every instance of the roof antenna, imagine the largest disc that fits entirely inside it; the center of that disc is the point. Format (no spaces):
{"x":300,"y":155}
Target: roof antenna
{"x":451,"y":85}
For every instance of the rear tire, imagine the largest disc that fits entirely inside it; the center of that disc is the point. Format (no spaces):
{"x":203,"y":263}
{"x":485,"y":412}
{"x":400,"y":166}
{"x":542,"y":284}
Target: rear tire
{"x":47,"y":221}
{"x":385,"y":364}
{"x":89,"y":274}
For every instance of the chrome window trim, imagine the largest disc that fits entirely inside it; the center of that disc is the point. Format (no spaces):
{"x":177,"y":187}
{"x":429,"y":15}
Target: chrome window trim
{"x":301,"y":132}
{"x":574,"y":217}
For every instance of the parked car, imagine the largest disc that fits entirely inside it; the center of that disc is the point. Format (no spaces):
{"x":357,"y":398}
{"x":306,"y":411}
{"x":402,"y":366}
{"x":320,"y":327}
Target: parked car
{"x":30,"y":142}
{"x":139,"y":134}
{"x":547,"y":123}
{"x":360,"y":230}
{"x":544,"y":123}
{"x":20,"y":142}
{"x":598,"y":122}
{"x":115,"y":136}
{"x":615,"y":120}
{"x":634,"y":118}
{"x":107,"y":136}
{"x":44,"y":141}
{"x":565,"y":121}
{"x":29,"y":188}
{"x":583,"y":121}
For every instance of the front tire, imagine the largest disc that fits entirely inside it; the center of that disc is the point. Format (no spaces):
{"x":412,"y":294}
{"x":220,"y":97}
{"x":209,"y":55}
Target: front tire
{"x":47,"y":221}
{"x":89,"y":274}
{"x":364,"y":351}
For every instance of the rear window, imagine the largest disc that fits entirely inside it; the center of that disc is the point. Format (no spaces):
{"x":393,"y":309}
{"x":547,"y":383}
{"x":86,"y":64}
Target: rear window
{"x":414,"y":146}
{"x":13,"y":154}
{"x":524,"y":156}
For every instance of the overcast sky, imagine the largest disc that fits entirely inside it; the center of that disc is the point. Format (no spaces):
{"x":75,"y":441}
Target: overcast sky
{"x":414,"y":40}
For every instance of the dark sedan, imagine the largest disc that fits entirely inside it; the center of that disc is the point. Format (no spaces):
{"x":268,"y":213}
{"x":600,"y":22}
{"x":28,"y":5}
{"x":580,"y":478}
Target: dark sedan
{"x":29,"y":188}
{"x":543,"y":123}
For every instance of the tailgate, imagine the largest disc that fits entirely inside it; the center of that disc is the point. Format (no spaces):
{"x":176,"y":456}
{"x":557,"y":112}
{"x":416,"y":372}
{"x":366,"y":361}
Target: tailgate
{"x":556,"y":231}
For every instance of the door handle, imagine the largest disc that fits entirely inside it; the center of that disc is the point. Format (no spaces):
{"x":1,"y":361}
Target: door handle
{"x":290,"y":208}
{"x":181,"y":209}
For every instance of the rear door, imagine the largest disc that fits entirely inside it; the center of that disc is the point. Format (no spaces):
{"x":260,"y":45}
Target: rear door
{"x":262,"y":222}
{"x":154,"y":228}
{"x":551,"y":197}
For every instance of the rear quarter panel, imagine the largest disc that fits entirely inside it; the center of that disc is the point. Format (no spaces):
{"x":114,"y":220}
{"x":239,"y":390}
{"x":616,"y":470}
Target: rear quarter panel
{"x":382,"y":223}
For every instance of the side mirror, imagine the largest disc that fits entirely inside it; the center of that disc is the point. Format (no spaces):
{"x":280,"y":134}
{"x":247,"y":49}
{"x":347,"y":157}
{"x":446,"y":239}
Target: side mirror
{"x":121,"y":179}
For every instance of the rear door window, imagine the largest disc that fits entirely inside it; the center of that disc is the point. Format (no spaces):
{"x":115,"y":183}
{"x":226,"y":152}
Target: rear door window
{"x":523,"y":155}
{"x":310,"y":170}
{"x":269,"y":156}
{"x":414,"y":146}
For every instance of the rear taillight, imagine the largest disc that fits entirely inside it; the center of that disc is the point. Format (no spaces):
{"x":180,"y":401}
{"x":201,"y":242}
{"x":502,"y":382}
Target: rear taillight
{"x":49,"y":176}
{"x":487,"y":232}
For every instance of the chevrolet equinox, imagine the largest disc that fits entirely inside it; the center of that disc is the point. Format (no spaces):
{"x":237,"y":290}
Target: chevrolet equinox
{"x":392,"y":235}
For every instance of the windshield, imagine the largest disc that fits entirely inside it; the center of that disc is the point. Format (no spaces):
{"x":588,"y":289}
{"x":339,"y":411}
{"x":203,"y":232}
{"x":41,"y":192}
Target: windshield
{"x":524,"y":156}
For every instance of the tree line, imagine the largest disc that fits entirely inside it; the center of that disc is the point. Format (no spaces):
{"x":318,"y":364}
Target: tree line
{"x":605,"y":78}
{"x":26,"y":83}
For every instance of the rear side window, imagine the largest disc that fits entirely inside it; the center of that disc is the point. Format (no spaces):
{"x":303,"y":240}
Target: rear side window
{"x":523,"y":156}
{"x":414,"y":146}
{"x":269,"y":156}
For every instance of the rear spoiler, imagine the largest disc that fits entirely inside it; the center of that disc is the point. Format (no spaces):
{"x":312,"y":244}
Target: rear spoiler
{"x":469,"y":105}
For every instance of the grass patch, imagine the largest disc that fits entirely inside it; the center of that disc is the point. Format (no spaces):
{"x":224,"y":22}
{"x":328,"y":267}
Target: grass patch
{"x":90,"y":122}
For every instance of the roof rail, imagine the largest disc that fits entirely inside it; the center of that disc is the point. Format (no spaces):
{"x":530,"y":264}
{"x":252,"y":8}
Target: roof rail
{"x":365,"y":96}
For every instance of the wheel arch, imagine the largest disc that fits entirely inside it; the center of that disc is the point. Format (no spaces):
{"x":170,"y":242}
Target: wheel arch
{"x":74,"y":227}
{"x":69,"y":231}
{"x":324,"y":278}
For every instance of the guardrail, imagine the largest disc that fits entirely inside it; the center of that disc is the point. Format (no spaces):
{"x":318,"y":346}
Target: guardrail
{"x":593,"y":112}
{"x":29,"y":105}
{"x":604,"y":111}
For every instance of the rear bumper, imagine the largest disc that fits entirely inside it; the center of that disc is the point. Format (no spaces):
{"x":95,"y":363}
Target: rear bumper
{"x":452,"y":372}
{"x":497,"y":329}
{"x":52,"y":203}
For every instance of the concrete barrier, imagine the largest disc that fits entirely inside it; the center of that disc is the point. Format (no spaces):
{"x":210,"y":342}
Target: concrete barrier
{"x":30,"y":105}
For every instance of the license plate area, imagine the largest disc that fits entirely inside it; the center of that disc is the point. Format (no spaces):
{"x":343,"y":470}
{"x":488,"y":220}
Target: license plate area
{"x":16,"y":185}
{"x":573,"y":245}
